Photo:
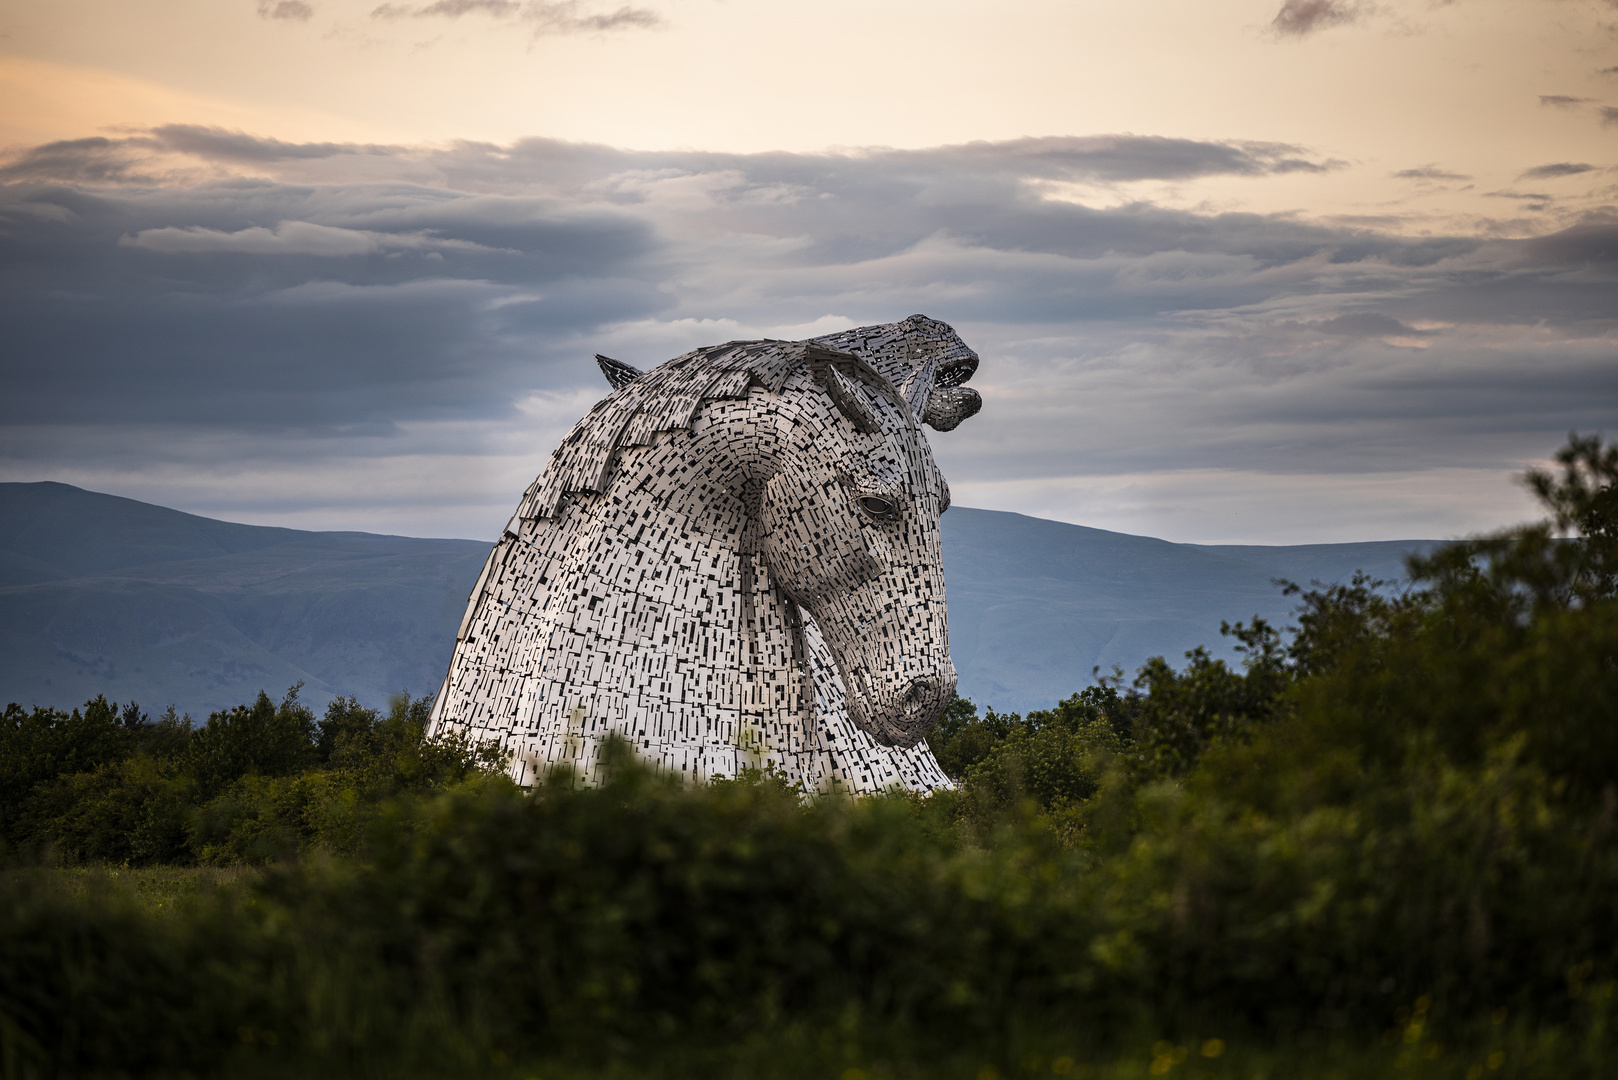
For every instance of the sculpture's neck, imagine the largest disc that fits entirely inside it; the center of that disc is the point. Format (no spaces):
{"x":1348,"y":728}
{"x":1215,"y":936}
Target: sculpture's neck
{"x":661,"y":578}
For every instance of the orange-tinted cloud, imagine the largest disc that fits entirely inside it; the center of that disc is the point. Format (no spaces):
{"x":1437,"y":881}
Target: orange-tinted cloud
{"x":1556,"y":169}
{"x":289,"y":10}
{"x":1299,"y":18}
{"x":542,"y":16}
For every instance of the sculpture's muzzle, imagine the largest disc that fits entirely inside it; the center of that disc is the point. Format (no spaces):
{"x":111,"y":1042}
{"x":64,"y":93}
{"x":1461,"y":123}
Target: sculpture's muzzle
{"x":898,"y":704}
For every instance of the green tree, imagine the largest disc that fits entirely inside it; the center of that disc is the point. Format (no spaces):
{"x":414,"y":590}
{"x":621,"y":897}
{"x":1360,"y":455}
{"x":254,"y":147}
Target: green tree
{"x":261,"y":739}
{"x":962,"y":739}
{"x":1179,"y":714}
{"x":39,"y":745}
{"x":360,"y":760}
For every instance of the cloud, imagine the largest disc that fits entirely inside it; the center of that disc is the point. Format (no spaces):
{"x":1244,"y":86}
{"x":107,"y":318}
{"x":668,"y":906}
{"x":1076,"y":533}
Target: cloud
{"x":1299,"y":18}
{"x":543,"y":16}
{"x":1429,"y":172}
{"x":1096,"y":159}
{"x":334,"y":320}
{"x":291,"y":10}
{"x":1359,"y":324}
{"x":1562,"y":101}
{"x":451,"y":9}
{"x":1580,"y":245}
{"x":1559,"y":168}
{"x":221,"y":144}
{"x":1120,"y":158}
{"x":289,"y":238}
{"x":96,"y":160}
{"x":1609,"y":115}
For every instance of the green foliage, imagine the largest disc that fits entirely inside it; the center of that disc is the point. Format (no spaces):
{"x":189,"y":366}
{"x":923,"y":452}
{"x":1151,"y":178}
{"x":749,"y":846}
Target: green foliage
{"x":1427,"y":800}
{"x":1181,"y":714}
{"x":251,"y":740}
{"x":1393,"y":831}
{"x":962,"y":739}
{"x":1053,"y":758}
{"x":39,"y":746}
{"x":366,"y":758}
{"x":255,"y":783}
{"x":132,"y":811}
{"x":644,"y":921}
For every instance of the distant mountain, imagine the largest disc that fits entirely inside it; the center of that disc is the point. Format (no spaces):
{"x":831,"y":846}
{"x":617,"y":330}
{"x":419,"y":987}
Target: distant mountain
{"x":105,"y":594}
{"x":108,"y":594}
{"x":1035,"y":605}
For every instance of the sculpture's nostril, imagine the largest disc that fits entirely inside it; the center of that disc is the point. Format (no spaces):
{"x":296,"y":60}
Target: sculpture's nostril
{"x":918,"y":695}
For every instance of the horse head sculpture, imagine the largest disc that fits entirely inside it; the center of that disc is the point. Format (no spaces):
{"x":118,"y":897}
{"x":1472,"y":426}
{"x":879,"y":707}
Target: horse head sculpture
{"x":703,"y":542}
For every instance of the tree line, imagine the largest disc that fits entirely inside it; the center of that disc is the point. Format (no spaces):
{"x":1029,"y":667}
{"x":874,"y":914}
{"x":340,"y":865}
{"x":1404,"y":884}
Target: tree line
{"x":110,"y":785}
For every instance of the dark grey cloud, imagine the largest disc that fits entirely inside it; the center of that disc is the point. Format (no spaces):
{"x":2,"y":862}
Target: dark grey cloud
{"x":290,"y":10}
{"x":1097,"y":158}
{"x":1429,"y":172}
{"x":1562,"y":101}
{"x":336,"y":307}
{"x":1123,"y":157}
{"x":408,"y":308}
{"x":1609,"y":115}
{"x":1298,"y":18}
{"x":140,"y":158}
{"x":542,"y":16}
{"x":1556,"y":169}
{"x":95,"y":160}
{"x":1578,"y":246}
{"x":221,"y":144}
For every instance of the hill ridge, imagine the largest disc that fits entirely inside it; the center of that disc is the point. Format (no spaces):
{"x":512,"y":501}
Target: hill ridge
{"x":101,"y":593}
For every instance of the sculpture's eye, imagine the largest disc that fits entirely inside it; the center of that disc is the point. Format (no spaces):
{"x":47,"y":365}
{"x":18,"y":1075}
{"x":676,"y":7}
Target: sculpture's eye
{"x":876,"y":507}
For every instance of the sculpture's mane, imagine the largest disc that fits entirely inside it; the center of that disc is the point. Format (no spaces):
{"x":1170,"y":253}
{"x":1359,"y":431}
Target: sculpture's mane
{"x":667,"y":398}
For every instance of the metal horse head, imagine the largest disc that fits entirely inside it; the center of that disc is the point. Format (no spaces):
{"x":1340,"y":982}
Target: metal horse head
{"x":845,"y":499}
{"x":733,"y":560}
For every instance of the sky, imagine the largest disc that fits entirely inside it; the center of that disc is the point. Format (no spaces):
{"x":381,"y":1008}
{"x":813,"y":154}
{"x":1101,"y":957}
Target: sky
{"x":1240,"y":271}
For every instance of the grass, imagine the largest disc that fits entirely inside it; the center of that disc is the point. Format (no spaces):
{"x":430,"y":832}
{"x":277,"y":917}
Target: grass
{"x":1500,"y":1054}
{"x":155,"y":889}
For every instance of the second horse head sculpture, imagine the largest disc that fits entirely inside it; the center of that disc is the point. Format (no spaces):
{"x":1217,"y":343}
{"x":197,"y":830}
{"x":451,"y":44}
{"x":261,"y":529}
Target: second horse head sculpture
{"x":732,"y":561}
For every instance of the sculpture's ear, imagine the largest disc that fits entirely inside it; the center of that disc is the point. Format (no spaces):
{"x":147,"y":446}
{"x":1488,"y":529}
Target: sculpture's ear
{"x":618,"y":373}
{"x":845,"y":393}
{"x":851,"y":401}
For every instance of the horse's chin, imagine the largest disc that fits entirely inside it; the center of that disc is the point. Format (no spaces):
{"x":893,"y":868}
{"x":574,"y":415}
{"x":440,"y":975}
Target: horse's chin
{"x":901,"y":713}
